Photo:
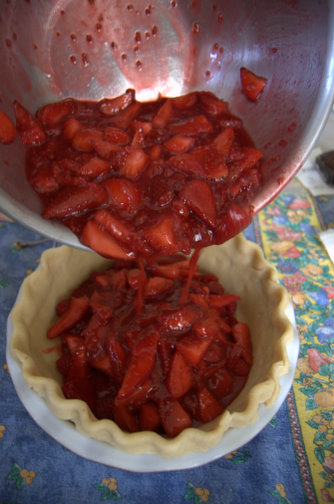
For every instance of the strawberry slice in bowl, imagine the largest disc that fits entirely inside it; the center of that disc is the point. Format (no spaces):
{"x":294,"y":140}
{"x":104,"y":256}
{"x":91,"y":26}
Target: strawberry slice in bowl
{"x":172,"y":169}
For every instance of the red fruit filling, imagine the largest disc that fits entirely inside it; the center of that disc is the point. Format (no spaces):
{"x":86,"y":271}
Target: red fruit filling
{"x":252,"y":84}
{"x":158,"y":364}
{"x":135,"y":179}
{"x":152,"y":345}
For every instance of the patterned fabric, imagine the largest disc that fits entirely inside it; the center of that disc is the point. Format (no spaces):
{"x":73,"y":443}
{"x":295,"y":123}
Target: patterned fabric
{"x":290,"y":461}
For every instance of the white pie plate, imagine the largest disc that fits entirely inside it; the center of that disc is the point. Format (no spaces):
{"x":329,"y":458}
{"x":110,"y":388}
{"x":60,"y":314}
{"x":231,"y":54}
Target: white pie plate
{"x":66,"y":434}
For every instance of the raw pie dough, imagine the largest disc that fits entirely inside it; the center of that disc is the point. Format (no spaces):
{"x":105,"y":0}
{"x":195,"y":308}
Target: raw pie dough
{"x":242,"y":270}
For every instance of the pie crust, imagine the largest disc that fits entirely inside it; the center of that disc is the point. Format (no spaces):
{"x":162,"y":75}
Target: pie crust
{"x":242,"y":270}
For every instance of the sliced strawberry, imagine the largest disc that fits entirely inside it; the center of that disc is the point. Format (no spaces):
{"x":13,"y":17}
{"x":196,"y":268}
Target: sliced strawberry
{"x":216,"y":171}
{"x":179,"y":143}
{"x":180,"y":377}
{"x":208,"y":407}
{"x":149,"y":418}
{"x":236,"y":364}
{"x":71,"y":127}
{"x":104,"y":406}
{"x":224,"y":140}
{"x":94,"y":167}
{"x":80,"y":388}
{"x":55,"y":112}
{"x":102,"y":363}
{"x":118,"y":358}
{"x":175,"y":269}
{"x":123,"y":194}
{"x":73,"y":200}
{"x":118,"y":279}
{"x":247,"y":157}
{"x":116,"y":135}
{"x":125,"y":418}
{"x":212,"y":105}
{"x":85,"y":138}
{"x":189,"y":403}
{"x":79,"y":365}
{"x":62,"y":306}
{"x":135,"y":163}
{"x":76,"y":310}
{"x":198,"y":299}
{"x":140,"y":365}
{"x":216,"y":353}
{"x":8,"y":131}
{"x":193,"y":347}
{"x":103,"y":243}
{"x":29,"y":128}
{"x":144,"y":126}
{"x":101,"y":303}
{"x":198,"y":195}
{"x":220,"y":383}
{"x":65,"y":165}
{"x":241,"y":334}
{"x":156,"y":286}
{"x":180,"y":319}
{"x":44,"y":181}
{"x":233,"y":222}
{"x":187,"y":163}
{"x":163,"y":115}
{"x":249,"y":181}
{"x":115,"y":226}
{"x":252,"y":84}
{"x":194,"y":126}
{"x":104,"y":148}
{"x":174,"y":418}
{"x":64,"y":363}
{"x":155,"y":152}
{"x":134,"y":278}
{"x":159,"y":191}
{"x":113,"y":106}
{"x":63,"y":177}
{"x":221,"y":300}
{"x":165,"y":352}
{"x":139,"y":396}
{"x":91,"y":328}
{"x":124,"y":118}
{"x":166,"y":235}
{"x":208,"y":327}
{"x":138,"y":139}
{"x":185,"y":101}
{"x":72,"y":342}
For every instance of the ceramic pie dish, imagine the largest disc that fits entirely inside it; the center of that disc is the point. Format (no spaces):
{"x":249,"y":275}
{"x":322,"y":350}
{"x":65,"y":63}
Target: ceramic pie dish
{"x":242,"y":269}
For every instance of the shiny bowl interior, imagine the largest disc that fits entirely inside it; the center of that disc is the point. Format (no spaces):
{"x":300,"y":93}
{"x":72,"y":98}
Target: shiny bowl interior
{"x":91,"y":49}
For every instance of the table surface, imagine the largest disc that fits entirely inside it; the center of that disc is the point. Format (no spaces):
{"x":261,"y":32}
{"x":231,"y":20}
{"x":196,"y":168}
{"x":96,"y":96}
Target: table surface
{"x":290,"y":461}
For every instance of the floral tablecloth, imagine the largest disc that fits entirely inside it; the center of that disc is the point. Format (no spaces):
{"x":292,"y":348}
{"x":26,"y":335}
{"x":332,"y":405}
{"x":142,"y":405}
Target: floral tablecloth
{"x":290,"y":461}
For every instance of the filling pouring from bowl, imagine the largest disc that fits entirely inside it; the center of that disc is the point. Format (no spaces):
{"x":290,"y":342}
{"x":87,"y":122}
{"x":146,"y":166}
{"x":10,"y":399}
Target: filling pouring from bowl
{"x":151,"y":343}
{"x":134,"y":179}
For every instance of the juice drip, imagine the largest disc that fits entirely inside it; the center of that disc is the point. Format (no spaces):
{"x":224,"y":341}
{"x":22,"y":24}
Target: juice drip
{"x":192,"y":268}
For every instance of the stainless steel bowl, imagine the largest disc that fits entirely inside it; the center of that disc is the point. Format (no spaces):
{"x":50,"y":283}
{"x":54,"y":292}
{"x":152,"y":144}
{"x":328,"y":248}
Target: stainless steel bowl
{"x":97,"y":48}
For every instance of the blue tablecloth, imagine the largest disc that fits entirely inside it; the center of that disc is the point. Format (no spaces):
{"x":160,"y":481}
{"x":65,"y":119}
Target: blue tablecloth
{"x":290,"y":461}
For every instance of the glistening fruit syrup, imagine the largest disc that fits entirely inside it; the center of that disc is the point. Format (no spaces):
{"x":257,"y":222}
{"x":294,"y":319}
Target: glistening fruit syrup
{"x":136,"y":179}
{"x":151,"y":343}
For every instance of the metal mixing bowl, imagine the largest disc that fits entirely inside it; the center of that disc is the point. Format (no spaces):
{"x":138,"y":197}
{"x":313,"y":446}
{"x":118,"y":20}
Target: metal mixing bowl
{"x":96,"y":48}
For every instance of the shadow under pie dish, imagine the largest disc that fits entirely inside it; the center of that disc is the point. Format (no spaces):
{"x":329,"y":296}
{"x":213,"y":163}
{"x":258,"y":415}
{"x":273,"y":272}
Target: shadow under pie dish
{"x":242,"y":270}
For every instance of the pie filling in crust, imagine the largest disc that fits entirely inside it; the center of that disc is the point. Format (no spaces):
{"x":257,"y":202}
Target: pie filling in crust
{"x":250,"y":288}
